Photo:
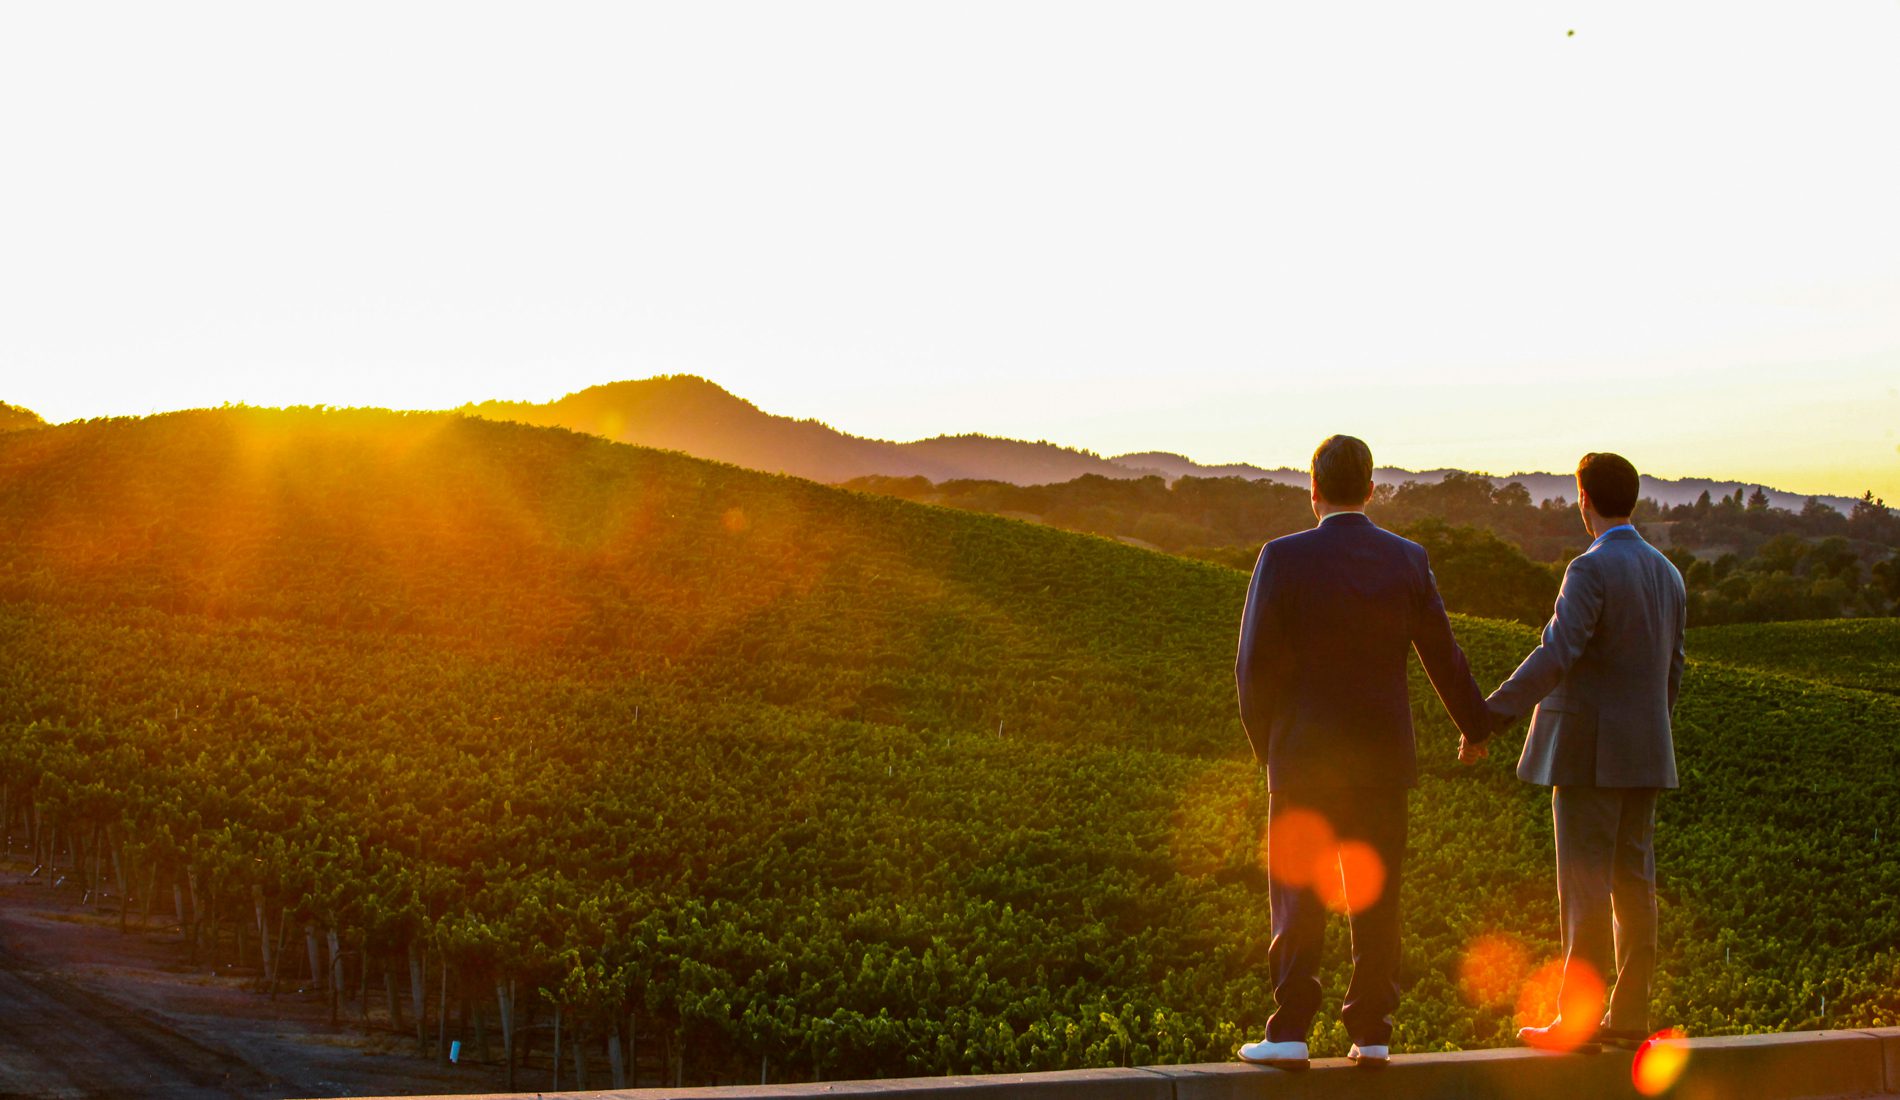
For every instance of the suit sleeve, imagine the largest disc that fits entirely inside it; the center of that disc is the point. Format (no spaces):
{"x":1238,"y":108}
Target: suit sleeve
{"x":1677,"y":659}
{"x":1262,"y":655}
{"x":1579,"y":606}
{"x":1444,"y":660}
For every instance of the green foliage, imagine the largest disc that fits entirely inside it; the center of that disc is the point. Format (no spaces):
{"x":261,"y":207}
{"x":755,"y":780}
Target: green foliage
{"x":869,"y":788}
{"x":1790,"y":578}
{"x":1480,"y":574}
{"x":1855,"y":653}
{"x":1784,"y":822}
{"x":1179,"y":517}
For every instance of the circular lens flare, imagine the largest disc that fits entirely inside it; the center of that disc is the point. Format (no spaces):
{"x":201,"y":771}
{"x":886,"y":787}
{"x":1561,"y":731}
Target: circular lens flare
{"x":1569,"y":1002}
{"x":1298,"y":843}
{"x":1659,"y":1062}
{"x":1355,"y":881}
{"x":1492,"y":969}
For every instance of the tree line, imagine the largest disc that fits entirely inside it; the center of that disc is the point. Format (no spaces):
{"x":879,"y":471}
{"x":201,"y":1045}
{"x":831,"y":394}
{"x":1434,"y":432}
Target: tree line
{"x":1496,"y":553}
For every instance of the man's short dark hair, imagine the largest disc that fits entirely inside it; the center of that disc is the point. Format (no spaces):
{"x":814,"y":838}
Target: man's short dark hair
{"x":1611,"y":482}
{"x":1342,"y":471}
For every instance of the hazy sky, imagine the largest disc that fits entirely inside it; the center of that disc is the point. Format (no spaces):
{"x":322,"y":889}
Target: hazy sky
{"x":1459,"y":230}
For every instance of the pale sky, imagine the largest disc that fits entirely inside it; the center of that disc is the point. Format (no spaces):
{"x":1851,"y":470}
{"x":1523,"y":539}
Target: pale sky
{"x":1225,"y":230}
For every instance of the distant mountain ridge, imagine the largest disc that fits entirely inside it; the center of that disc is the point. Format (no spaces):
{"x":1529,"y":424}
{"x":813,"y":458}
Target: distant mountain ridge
{"x":693,"y":415}
{"x":690,"y":414}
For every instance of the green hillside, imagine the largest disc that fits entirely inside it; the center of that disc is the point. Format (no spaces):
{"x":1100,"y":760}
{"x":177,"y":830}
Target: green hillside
{"x":762,"y":771}
{"x":505,"y":536}
{"x":1856,"y":653}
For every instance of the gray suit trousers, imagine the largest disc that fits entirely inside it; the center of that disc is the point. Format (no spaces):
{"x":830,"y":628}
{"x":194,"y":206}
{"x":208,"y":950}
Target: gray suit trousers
{"x":1606,"y":891}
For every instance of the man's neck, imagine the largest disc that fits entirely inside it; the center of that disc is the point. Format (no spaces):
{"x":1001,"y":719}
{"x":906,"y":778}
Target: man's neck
{"x":1322,"y":509}
{"x":1600,"y":525}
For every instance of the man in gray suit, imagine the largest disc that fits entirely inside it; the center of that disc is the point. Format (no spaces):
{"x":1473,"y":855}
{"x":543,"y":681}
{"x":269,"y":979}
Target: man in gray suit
{"x":1604,"y":682}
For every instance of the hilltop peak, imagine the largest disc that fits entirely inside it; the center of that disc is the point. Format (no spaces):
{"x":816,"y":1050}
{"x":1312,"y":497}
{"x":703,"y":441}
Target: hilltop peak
{"x":660,"y":384}
{"x":684,"y":412}
{"x":13,"y":418}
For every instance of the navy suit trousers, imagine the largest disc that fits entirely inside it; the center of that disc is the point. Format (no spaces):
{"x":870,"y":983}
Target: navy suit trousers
{"x":1376,"y":817}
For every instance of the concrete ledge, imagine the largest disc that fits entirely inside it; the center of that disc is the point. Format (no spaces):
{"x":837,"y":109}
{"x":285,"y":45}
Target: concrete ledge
{"x":1809,"y":1065}
{"x":1478,"y":1075}
{"x":1798,"y":1064}
{"x":1074,"y":1084}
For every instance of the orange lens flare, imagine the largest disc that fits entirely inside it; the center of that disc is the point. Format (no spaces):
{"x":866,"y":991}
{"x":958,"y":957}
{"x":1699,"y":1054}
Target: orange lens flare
{"x":1492,"y":969}
{"x":1659,"y":1062}
{"x":1298,"y":843}
{"x":1303,"y":850}
{"x":1573,"y":1001}
{"x":1356,"y":883}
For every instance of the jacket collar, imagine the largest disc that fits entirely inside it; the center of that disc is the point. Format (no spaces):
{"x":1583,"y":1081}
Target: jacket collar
{"x":1622,"y":532}
{"x":1347,"y":519}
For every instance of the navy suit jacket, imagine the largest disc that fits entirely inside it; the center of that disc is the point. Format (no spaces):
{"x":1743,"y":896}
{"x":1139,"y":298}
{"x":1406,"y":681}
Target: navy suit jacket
{"x":1331,"y":614}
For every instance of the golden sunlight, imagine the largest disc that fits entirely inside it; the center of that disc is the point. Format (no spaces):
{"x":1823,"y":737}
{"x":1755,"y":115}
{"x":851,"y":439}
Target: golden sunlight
{"x":1571,"y":1001}
{"x":1659,"y":1062}
{"x":1492,"y":969}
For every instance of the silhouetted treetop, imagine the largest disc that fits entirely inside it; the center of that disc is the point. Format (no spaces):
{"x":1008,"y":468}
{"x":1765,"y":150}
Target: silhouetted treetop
{"x":15,"y":418}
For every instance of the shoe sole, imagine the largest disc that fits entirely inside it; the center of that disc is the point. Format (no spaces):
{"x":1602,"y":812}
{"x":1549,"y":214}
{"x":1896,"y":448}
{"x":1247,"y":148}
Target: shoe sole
{"x":1370,"y":1063}
{"x":1290,"y":1064}
{"x":1580,"y":1048}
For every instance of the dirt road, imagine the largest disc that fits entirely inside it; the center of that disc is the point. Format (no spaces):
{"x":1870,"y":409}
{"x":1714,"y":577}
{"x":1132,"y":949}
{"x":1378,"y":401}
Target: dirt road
{"x":62,"y":1041}
{"x":87,"y":1011}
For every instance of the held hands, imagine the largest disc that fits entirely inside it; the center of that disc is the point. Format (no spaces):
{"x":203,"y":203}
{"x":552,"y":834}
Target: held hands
{"x":1470,"y":753}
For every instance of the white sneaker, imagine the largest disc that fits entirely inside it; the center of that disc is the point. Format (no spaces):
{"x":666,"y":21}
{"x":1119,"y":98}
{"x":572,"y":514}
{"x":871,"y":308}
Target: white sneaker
{"x":1287,"y":1055}
{"x":1372,"y":1054}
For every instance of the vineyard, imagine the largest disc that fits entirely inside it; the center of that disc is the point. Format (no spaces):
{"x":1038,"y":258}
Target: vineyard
{"x":478,"y":727}
{"x":1855,"y":653}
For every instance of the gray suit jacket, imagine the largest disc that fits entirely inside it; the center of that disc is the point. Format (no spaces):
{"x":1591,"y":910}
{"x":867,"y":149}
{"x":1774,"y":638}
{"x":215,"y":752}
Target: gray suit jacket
{"x":1604,"y":681}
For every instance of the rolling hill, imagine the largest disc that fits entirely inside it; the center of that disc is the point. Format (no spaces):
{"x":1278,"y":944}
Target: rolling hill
{"x":697,"y":417}
{"x":778,"y":776}
{"x":694,"y":416}
{"x":494,"y":533}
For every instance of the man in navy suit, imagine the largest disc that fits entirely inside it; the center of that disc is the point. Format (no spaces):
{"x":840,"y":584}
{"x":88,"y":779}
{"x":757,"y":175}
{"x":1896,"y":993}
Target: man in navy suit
{"x":1331,"y":615}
